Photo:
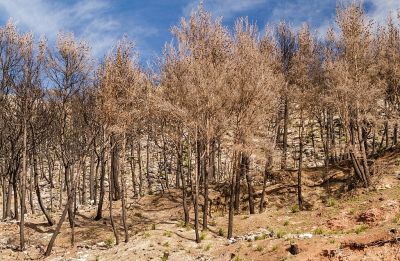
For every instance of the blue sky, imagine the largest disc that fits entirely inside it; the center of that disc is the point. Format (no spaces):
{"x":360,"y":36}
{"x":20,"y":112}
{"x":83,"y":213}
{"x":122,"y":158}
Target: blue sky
{"x":102,"y":22}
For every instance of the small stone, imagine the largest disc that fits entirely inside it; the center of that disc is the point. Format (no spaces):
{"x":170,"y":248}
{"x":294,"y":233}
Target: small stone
{"x":231,"y":240}
{"x":305,"y":236}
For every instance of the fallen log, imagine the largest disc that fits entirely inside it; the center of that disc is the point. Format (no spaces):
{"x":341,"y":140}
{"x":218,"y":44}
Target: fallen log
{"x":362,"y":246}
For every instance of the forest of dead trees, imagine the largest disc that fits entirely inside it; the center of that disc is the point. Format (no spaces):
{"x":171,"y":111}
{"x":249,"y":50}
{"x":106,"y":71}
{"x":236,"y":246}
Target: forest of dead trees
{"x":218,"y":102}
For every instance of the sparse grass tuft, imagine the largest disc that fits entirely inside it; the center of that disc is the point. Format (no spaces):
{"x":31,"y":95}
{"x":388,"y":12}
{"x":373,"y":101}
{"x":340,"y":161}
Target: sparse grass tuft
{"x":318,"y":231}
{"x":286,"y":223}
{"x":274,"y":248}
{"x":360,"y":229}
{"x":280,"y":234}
{"x":295,"y":208}
{"x":203,"y":235}
{"x":167,"y":234}
{"x":153,"y":226}
{"x":396,"y":219}
{"x":166,"y":244}
{"x":331,"y":202}
{"x":109,"y":242}
{"x":207,"y":247}
{"x":261,"y":237}
{"x":221,"y":232}
{"x":259,"y":248}
{"x":181,"y":223}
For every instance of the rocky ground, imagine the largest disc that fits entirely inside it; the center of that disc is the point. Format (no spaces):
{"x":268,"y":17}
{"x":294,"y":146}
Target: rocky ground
{"x":361,"y":224}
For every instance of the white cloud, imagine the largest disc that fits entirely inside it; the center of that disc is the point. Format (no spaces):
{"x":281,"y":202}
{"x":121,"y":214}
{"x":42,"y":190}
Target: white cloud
{"x":225,"y":8}
{"x":382,"y":9}
{"x":88,"y":19}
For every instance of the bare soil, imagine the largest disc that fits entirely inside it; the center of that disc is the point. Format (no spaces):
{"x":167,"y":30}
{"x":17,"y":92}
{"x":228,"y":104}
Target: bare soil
{"x":340,"y":224}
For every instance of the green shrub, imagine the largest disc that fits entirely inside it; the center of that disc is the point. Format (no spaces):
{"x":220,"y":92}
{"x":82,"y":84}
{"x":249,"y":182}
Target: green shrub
{"x":221,"y":232}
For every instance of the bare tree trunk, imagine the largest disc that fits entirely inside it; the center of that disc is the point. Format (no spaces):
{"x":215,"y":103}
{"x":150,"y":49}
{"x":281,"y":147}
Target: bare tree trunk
{"x":299,"y":173}
{"x":246,"y":169}
{"x":148,"y":163}
{"x":219,"y":172}
{"x":268,"y":165}
{"x":99,"y":214}
{"x":178,"y":167}
{"x":15,"y":190}
{"x":206,"y":177}
{"x":96,"y":178}
{"x":232,"y":197}
{"x":84,"y":201}
{"x":102,"y":160}
{"x":196,"y":194}
{"x":4,"y":190}
{"x":133,"y":168}
{"x":140,"y":168}
{"x":23,"y":191}
{"x":285,"y":133}
{"x":115,"y":168}
{"x":184,"y":192}
{"x":7,"y":212}
{"x":31,"y":191}
{"x":91,"y":177}
{"x":364,"y":158}
{"x":60,"y":181}
{"x":58,"y":228}
{"x":37,"y":189}
{"x":237,"y":188}
{"x":110,"y":199}
{"x":164,"y":152}
{"x":123,"y":190}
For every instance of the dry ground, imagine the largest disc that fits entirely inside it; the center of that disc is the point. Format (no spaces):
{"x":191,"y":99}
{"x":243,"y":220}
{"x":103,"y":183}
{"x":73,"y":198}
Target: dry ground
{"x":335,"y":220}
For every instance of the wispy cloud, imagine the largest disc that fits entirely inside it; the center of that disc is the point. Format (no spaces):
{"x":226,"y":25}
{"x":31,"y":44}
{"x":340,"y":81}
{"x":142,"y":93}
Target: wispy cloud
{"x":383,"y":8}
{"x":225,"y":8}
{"x":90,"y":20}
